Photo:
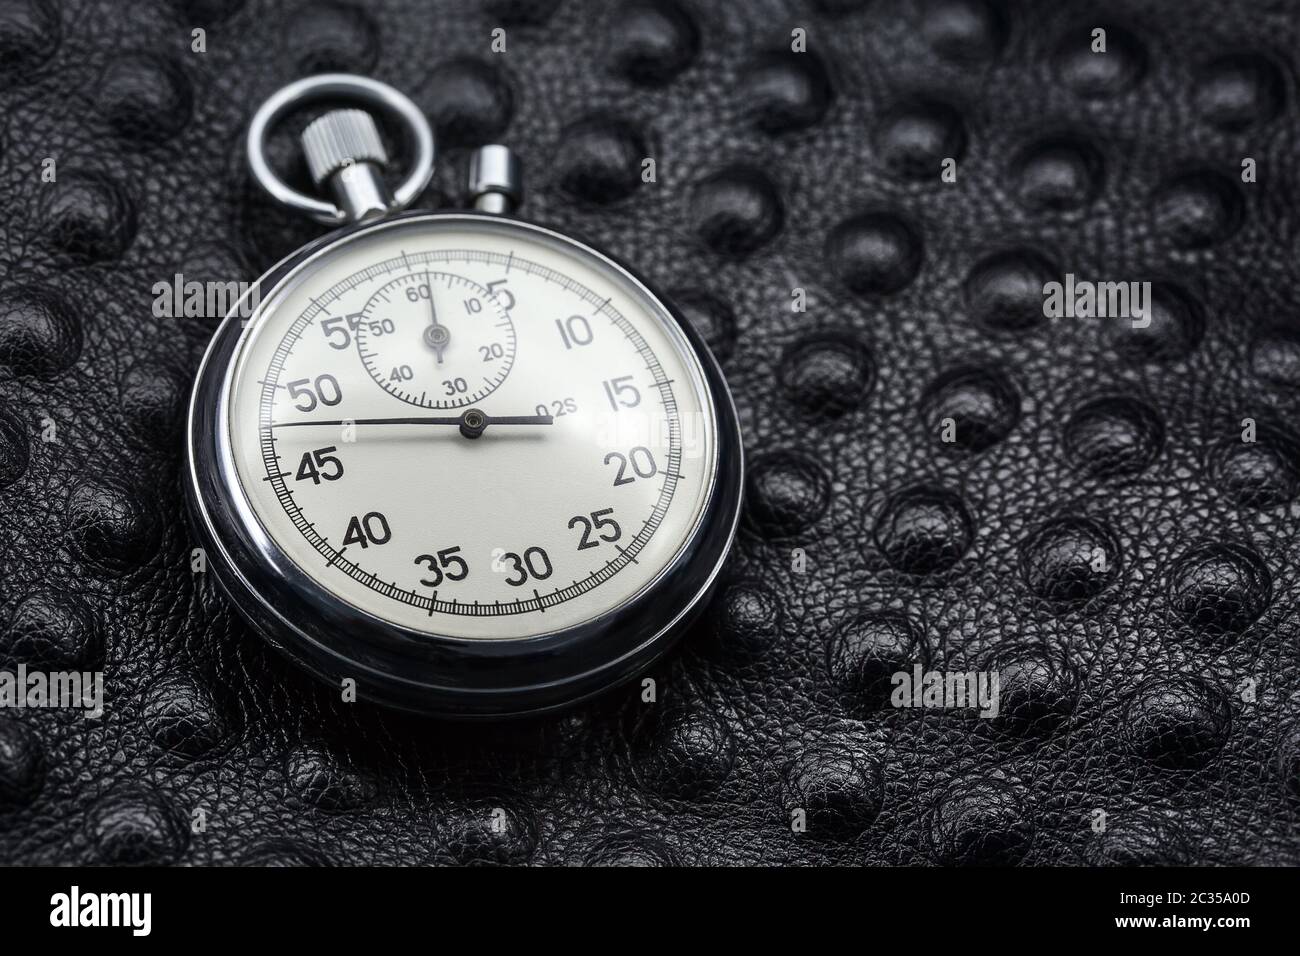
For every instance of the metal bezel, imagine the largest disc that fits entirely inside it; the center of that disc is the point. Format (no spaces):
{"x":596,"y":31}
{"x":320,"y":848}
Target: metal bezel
{"x":409,"y":669}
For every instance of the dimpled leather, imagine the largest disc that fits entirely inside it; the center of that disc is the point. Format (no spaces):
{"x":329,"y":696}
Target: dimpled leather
{"x":1095,"y":529}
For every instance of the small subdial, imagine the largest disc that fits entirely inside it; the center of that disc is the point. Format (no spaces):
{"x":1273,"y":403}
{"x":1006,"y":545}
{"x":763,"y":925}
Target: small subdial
{"x":436,"y":339}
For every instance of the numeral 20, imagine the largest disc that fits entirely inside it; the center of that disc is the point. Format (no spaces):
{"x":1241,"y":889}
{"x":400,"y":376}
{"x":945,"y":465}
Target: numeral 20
{"x":639,"y":459}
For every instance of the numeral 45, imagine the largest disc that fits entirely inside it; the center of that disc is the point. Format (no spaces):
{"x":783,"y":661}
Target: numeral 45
{"x":318,"y":465}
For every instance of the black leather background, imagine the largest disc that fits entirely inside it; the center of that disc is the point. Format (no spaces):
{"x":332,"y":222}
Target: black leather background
{"x":1162,"y":690}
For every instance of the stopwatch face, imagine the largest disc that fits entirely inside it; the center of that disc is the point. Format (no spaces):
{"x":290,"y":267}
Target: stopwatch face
{"x":471,"y":429}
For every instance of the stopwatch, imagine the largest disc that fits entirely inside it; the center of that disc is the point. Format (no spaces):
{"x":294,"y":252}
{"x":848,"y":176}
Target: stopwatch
{"x":458,"y":463}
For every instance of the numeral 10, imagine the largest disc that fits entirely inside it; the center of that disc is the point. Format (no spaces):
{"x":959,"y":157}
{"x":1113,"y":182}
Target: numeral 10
{"x":575,"y":330}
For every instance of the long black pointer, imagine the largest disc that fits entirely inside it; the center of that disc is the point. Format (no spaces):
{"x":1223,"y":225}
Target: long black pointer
{"x":472,"y":422}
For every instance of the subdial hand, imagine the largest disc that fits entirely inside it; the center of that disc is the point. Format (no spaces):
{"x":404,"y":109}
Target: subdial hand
{"x":472,"y":422}
{"x":436,"y":336}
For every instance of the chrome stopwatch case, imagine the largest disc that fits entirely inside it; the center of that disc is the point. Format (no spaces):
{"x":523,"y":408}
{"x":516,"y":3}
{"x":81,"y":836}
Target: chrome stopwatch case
{"x":467,"y":463}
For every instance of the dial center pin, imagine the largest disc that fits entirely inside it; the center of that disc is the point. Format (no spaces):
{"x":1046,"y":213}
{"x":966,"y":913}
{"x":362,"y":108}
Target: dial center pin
{"x":437,"y":337}
{"x":472,"y":423}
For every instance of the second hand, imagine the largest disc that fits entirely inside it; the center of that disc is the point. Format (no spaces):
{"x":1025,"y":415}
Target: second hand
{"x":472,"y":422}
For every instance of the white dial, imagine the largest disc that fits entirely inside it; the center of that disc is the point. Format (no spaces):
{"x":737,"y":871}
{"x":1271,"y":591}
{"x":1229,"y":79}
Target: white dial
{"x":471,"y":428}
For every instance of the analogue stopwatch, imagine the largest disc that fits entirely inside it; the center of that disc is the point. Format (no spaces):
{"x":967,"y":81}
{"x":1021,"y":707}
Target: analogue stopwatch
{"x":459,"y":462}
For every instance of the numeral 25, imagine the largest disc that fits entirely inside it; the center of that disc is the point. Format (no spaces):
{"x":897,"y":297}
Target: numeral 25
{"x":600,"y":521}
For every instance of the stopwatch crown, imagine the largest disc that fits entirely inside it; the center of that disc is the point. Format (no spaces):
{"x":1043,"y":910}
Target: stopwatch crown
{"x":339,"y":139}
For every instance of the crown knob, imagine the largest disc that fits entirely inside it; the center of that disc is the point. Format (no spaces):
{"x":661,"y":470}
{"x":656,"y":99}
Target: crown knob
{"x":345,"y":154}
{"x":339,"y":139}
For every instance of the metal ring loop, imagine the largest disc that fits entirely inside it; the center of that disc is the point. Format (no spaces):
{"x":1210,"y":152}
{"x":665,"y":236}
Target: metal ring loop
{"x":342,"y":85}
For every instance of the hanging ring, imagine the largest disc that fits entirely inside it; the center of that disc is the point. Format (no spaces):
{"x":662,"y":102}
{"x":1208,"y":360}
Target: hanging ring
{"x":360,"y":89}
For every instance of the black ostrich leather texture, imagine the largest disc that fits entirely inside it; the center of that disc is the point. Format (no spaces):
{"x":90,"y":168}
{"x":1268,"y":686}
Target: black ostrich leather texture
{"x":938,"y":474}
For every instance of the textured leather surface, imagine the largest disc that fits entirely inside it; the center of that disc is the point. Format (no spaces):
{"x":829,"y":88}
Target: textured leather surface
{"x":1098,"y":530}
